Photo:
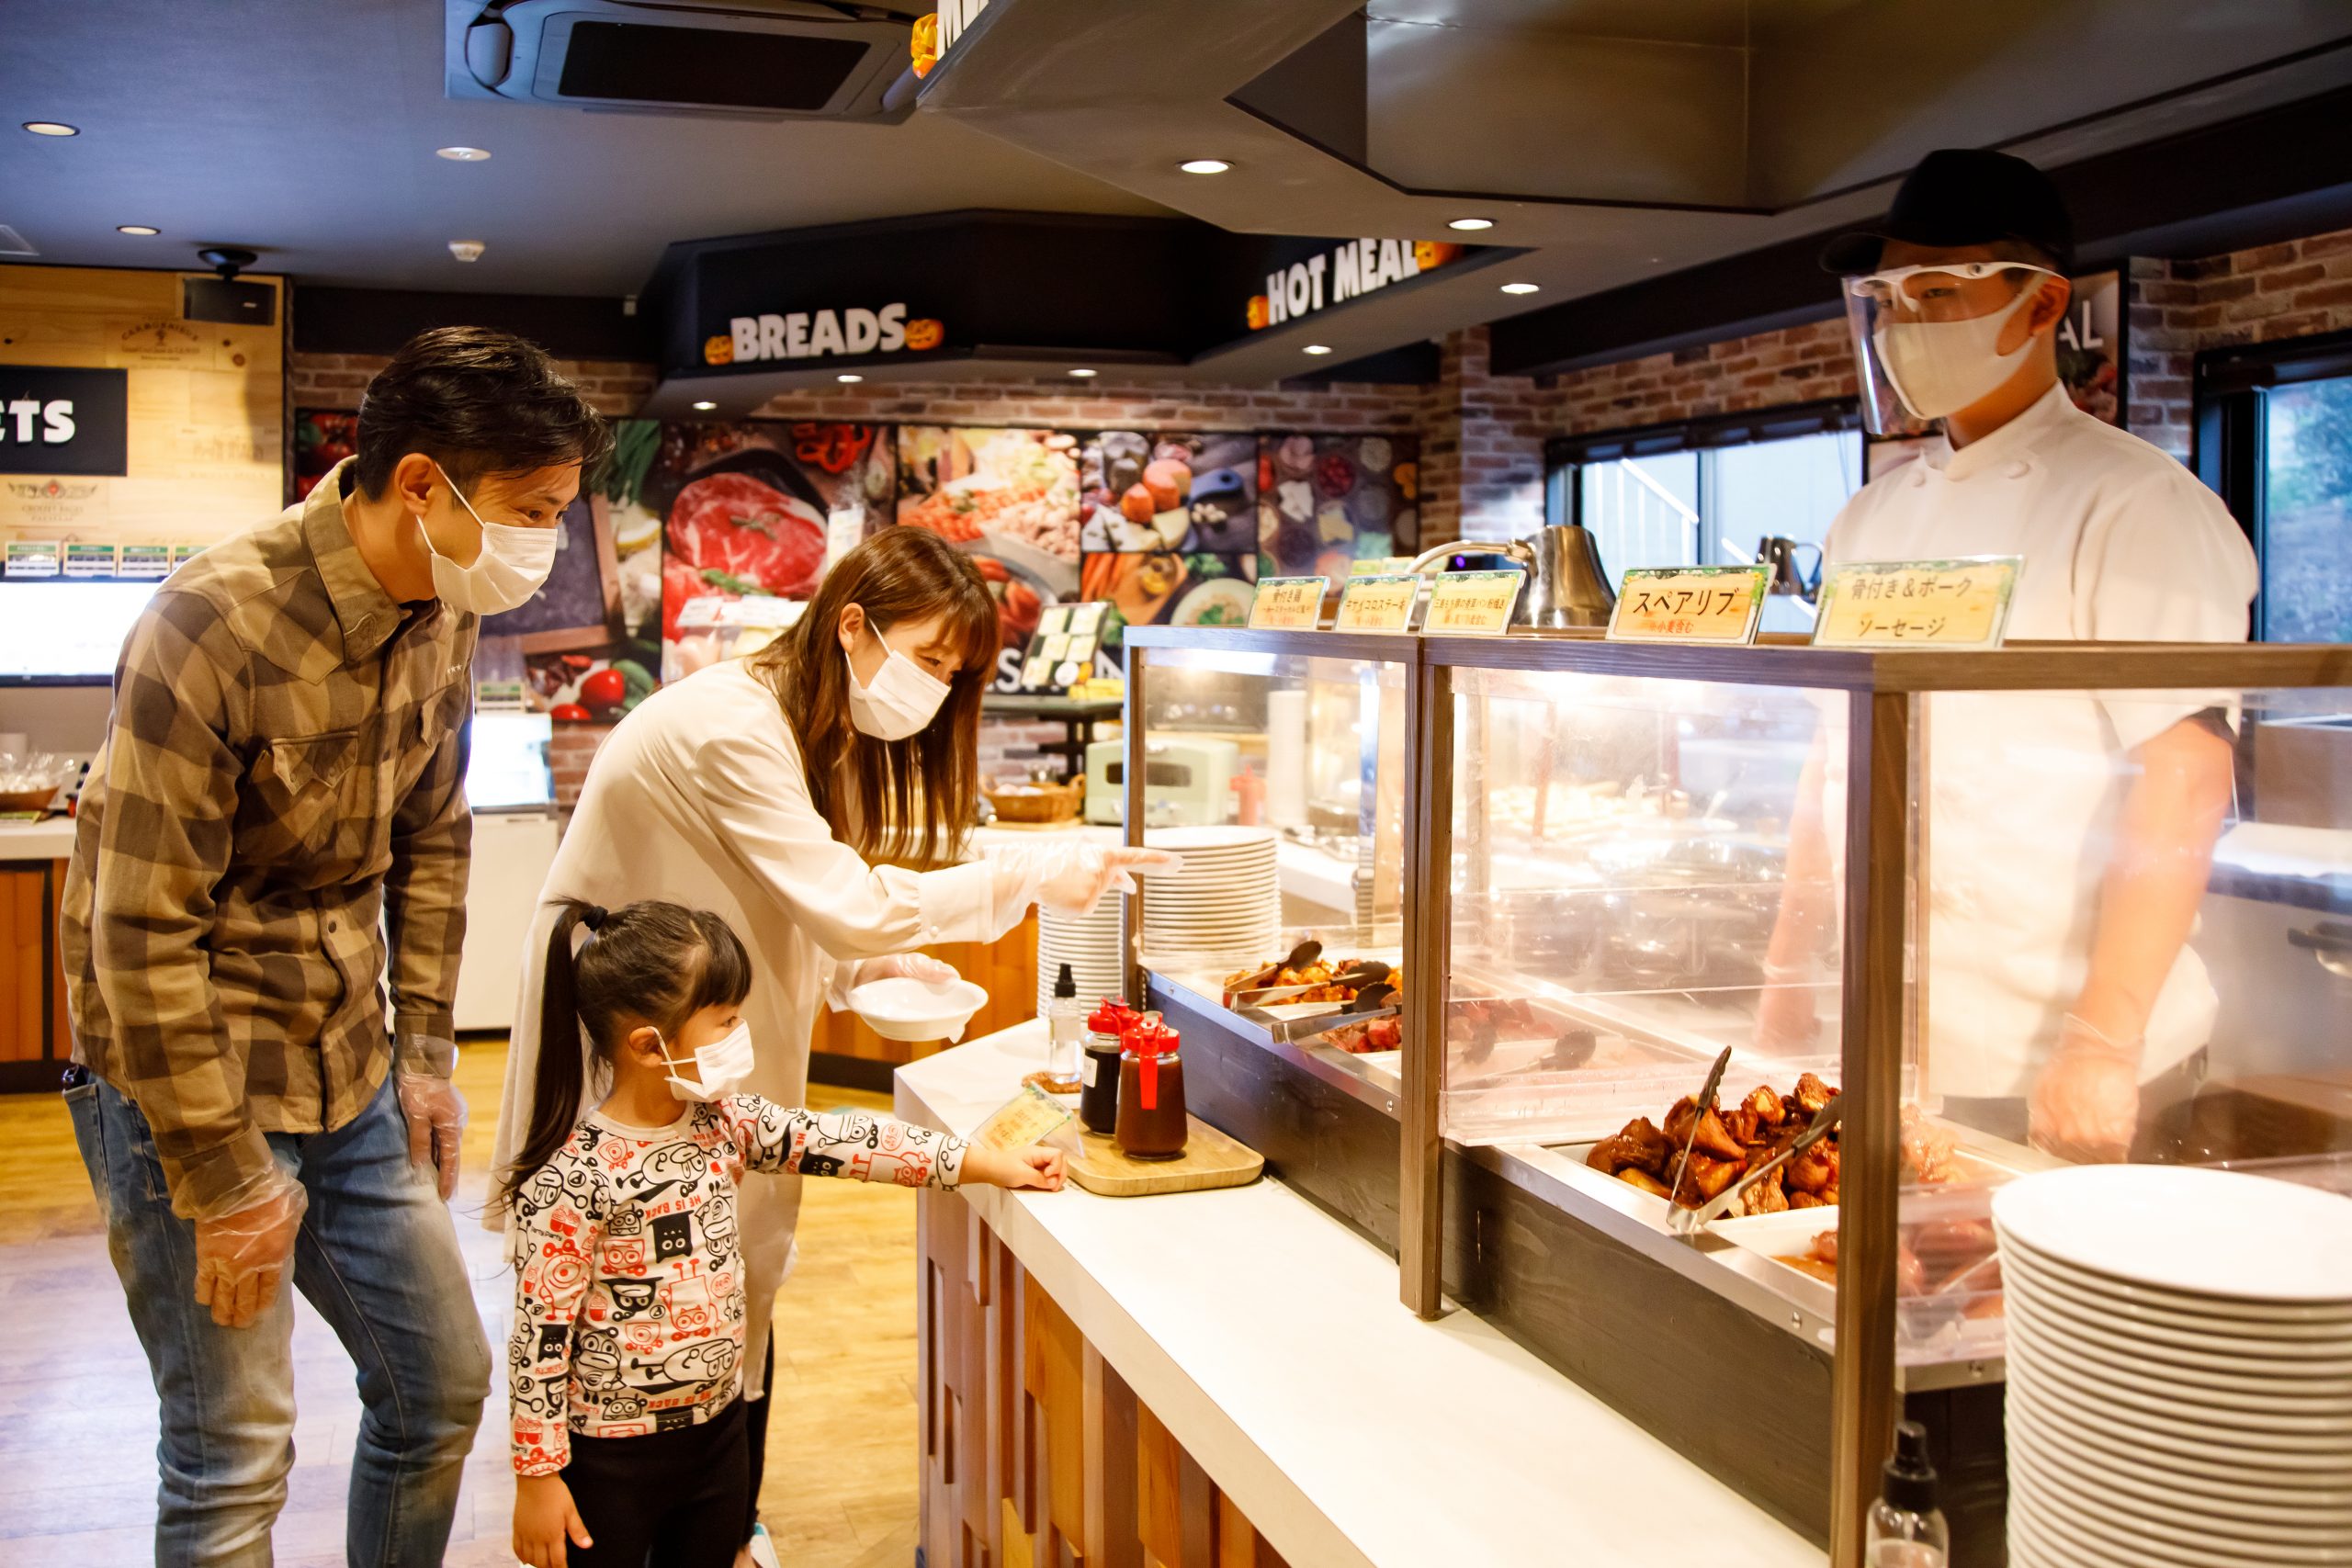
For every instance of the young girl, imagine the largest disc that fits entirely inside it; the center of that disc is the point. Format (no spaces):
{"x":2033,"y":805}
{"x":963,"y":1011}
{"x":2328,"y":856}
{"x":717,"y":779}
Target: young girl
{"x":626,"y":1357}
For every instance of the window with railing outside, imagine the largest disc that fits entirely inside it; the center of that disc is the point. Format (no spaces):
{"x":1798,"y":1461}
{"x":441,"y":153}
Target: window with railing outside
{"x":1711,"y":493}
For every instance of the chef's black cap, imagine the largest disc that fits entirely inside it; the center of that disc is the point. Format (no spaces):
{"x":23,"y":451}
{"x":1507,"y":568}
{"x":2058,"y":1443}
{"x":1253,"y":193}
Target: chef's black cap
{"x":1964,"y":195}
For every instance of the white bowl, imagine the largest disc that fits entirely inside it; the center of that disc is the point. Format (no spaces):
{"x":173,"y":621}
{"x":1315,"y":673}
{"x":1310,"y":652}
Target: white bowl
{"x":916,"y":1010}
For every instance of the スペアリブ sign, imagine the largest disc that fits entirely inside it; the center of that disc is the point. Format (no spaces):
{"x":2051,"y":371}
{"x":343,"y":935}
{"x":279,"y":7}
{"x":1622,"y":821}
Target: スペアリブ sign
{"x":1689,"y":603}
{"x":1935,"y":604}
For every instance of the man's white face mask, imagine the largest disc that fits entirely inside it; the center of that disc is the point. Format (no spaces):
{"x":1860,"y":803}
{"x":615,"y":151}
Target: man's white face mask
{"x":1935,"y":357}
{"x":514,"y":561}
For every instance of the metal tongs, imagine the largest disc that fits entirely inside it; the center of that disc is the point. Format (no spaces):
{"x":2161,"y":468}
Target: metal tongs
{"x":1375,"y":1001}
{"x":1686,"y":1221}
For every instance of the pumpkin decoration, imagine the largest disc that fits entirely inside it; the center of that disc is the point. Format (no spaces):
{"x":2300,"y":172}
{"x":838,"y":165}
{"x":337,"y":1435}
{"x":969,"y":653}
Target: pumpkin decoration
{"x":1259,"y":314}
{"x":1409,"y":480}
{"x":719,"y":349}
{"x":1430,"y":254}
{"x":924,"y":44}
{"x":926,"y":333}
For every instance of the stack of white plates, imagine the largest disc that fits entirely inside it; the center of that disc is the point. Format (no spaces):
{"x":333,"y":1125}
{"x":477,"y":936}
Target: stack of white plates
{"x":1224,"y":910}
{"x":2180,"y":1368}
{"x":1092,"y":945}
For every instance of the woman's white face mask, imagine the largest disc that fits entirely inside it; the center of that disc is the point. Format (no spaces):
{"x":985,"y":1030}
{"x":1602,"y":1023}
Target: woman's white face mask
{"x":721,"y":1066}
{"x":902,"y":697}
{"x":512,"y":563}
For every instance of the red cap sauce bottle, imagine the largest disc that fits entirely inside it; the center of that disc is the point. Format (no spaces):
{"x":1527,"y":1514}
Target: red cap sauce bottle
{"x":1151,"y":1094}
{"x":1098,"y":1093}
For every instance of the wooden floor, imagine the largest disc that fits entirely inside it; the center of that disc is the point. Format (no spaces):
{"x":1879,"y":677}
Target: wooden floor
{"x":77,"y":1412}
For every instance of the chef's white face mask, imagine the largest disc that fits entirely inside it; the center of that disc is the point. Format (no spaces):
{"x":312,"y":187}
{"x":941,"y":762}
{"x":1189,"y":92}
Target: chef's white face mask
{"x":903,"y":697}
{"x":721,"y":1066}
{"x":511,"y":564}
{"x":1935,"y":362}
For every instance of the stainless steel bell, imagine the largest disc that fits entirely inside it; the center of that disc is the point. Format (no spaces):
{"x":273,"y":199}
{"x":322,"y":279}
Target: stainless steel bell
{"x":1566,"y":585}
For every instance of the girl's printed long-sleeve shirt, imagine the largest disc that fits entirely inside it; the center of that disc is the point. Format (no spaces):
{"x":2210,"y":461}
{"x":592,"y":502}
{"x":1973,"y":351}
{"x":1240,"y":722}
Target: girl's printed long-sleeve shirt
{"x":628,"y":1293}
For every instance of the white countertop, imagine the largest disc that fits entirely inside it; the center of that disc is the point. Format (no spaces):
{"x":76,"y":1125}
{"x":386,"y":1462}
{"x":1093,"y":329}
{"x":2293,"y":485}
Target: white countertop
{"x":1269,"y":1340}
{"x":50,"y":839}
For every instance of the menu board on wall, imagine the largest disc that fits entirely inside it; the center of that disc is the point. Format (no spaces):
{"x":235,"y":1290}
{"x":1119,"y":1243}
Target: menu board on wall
{"x":1326,"y":502}
{"x":1008,"y":499}
{"x":202,"y":410}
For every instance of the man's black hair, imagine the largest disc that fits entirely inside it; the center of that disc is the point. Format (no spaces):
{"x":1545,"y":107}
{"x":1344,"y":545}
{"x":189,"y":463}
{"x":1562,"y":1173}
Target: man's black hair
{"x":477,"y":402}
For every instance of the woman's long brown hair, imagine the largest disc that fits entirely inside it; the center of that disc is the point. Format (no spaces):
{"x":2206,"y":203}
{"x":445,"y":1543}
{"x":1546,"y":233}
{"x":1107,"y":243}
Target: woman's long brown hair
{"x":898,"y":802}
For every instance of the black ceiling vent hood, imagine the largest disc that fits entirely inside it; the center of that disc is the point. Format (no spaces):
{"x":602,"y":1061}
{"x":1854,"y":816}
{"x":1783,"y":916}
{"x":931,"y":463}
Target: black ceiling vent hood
{"x":780,"y":59}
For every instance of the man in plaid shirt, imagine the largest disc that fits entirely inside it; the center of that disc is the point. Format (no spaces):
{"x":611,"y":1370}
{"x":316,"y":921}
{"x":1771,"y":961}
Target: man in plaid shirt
{"x":282,"y":790}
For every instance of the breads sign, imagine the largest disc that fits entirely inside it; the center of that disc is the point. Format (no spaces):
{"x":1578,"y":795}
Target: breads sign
{"x":818,"y":334}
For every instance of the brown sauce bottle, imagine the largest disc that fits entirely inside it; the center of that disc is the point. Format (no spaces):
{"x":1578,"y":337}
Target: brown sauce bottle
{"x":1151,"y":1094}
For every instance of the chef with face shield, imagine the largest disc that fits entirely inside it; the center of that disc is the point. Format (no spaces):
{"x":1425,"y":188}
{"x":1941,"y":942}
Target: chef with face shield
{"x":2069,"y":837}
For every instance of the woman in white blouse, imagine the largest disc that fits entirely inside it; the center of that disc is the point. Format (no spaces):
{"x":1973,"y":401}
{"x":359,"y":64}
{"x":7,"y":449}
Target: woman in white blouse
{"x":788,"y":792}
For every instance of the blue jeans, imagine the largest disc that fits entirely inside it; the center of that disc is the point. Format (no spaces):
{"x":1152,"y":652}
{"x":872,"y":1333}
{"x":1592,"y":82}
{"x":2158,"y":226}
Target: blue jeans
{"x":377,"y":1257}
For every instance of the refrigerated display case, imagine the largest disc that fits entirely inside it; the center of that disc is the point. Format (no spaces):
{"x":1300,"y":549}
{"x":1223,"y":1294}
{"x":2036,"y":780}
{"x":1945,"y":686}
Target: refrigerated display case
{"x":1889,"y":879}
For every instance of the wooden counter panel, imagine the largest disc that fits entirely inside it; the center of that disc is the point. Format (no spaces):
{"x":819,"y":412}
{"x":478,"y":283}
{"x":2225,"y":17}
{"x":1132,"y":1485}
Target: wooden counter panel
{"x":1036,"y":1453}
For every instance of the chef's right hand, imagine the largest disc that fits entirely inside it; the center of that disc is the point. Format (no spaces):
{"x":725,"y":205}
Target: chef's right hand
{"x":906,"y":965}
{"x":241,"y":1255}
{"x":1072,"y":878}
{"x":2086,"y":1104}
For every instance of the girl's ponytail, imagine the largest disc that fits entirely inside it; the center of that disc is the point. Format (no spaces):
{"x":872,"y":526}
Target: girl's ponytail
{"x":561,"y":1079}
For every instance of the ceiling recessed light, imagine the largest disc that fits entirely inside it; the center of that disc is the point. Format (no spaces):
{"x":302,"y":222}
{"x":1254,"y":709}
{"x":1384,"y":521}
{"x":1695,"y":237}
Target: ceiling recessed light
{"x":1317,"y":348}
{"x":1083,"y":374}
{"x":1468,"y":225}
{"x":466,"y":250}
{"x":141,"y":229}
{"x":705,"y":406}
{"x":51,"y":128}
{"x":463,"y":154}
{"x":1522,"y":287}
{"x":1205,"y":166}
{"x":849,"y":377}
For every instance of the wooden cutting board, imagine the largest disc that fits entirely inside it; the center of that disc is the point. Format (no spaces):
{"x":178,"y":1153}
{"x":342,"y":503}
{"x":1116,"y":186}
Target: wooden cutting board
{"x":1210,"y":1159}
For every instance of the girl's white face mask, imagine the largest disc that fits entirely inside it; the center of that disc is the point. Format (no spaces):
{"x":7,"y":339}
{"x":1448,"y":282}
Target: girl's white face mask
{"x":722,"y":1065}
{"x":903,"y":698}
{"x":512,"y":563}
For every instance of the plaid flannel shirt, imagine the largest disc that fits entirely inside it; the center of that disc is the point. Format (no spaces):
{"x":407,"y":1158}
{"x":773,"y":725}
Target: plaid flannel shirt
{"x":282,"y":782}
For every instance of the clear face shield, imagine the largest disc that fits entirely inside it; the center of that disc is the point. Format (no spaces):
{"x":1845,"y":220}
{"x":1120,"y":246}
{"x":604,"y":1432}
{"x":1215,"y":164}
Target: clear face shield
{"x":1928,"y":340}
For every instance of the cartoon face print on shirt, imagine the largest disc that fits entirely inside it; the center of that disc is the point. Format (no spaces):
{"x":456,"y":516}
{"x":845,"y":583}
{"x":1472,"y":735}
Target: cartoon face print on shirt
{"x":820,"y":1165}
{"x":706,"y":1360}
{"x":720,"y":1234}
{"x":628,"y":1222}
{"x":625,"y":1258}
{"x":632,"y":1298}
{"x":689,"y":1306}
{"x":673,"y":1236}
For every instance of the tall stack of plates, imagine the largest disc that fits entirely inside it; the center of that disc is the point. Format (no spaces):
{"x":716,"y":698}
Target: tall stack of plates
{"x":1092,"y":945}
{"x":2180,"y":1368}
{"x":1224,"y":910}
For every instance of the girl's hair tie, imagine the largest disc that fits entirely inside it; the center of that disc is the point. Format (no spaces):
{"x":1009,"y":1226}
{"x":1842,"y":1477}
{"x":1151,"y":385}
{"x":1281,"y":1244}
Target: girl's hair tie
{"x":593,"y":916}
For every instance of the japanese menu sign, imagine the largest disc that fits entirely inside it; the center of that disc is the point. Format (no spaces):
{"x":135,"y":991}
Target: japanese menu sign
{"x":1287,"y":603}
{"x":1938,"y":603}
{"x":1378,"y":604}
{"x":1473,"y":602}
{"x":1689,"y":603}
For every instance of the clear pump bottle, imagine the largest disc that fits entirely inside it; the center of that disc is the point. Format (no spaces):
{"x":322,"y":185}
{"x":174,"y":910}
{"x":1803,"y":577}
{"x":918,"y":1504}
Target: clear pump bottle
{"x":1906,"y":1529}
{"x":1066,"y":1019}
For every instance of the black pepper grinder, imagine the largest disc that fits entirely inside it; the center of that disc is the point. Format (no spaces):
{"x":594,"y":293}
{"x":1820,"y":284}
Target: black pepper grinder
{"x":1098,"y":1093}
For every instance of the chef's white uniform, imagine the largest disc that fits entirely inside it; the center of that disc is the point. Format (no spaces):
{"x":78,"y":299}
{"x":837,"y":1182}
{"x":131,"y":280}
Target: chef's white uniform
{"x":2120,"y":544}
{"x":700,"y":797}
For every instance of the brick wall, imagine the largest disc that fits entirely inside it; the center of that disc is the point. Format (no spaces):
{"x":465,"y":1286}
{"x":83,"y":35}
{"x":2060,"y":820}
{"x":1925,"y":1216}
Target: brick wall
{"x":574,"y":749}
{"x":335,"y":380}
{"x":1101,"y":404}
{"x":2179,"y":308}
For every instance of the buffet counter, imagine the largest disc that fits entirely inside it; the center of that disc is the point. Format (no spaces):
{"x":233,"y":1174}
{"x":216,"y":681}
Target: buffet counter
{"x":1265,"y":1339}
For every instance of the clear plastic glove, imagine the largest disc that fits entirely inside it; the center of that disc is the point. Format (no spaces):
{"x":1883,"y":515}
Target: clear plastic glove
{"x":2086,"y":1104}
{"x":241,"y":1255}
{"x":437,"y":1119}
{"x":904,"y":967}
{"x":1072,"y":878}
